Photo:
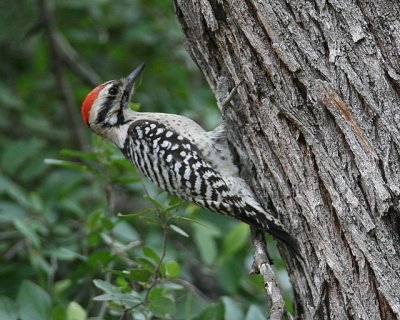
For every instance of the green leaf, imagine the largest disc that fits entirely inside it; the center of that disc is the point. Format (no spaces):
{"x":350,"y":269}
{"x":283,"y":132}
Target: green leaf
{"x":94,"y":219}
{"x":174,"y":286}
{"x":100,"y":258}
{"x":61,"y":286}
{"x":125,"y":180}
{"x":232,"y":309}
{"x":67,"y":254}
{"x":236,"y":239}
{"x":66,"y":164}
{"x":60,"y":312}
{"x":134,"y":106}
{"x":14,"y":191}
{"x":123,"y":284}
{"x":75,"y":312}
{"x":79,"y":154}
{"x":145,"y":263}
{"x":107,"y":223}
{"x":211,"y":228}
{"x":8,"y":308}
{"x":215,"y":311}
{"x":255,"y":313}
{"x":34,"y":302}
{"x":205,"y":243}
{"x":229,"y":274}
{"x":127,"y":298}
{"x":105,"y":286}
{"x":150,"y":221}
{"x":124,"y":232}
{"x":28,"y":232}
{"x":159,"y":205}
{"x":9,"y":99}
{"x":178,"y":230}
{"x":150,"y":253}
{"x":172,"y":269}
{"x":10,"y":211}
{"x":94,"y":239}
{"x":134,"y":215}
{"x":18,"y":152}
{"x":157,"y":292}
{"x":119,"y":160}
{"x":142,"y":275}
{"x":105,"y":297}
{"x":162,"y":307}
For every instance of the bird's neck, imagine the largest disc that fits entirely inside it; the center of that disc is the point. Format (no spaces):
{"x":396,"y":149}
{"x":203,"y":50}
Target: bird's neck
{"x":116,"y":129}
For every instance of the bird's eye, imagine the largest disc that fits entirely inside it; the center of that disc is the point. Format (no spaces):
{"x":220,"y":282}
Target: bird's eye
{"x":113,"y":91}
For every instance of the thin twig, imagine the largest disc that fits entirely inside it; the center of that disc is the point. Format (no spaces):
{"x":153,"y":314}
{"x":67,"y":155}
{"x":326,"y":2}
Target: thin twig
{"x":15,"y":249}
{"x":107,"y":278}
{"x":191,"y":287}
{"x":110,"y":211}
{"x":9,"y":234}
{"x":63,"y":86}
{"x":52,"y":272}
{"x":157,"y":269}
{"x":155,"y":274}
{"x":74,"y":61}
{"x":262,"y":265}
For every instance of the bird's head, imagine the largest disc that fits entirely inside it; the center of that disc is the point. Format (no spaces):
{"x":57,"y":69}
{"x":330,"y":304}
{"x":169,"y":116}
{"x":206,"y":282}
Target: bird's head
{"x":105,"y":106}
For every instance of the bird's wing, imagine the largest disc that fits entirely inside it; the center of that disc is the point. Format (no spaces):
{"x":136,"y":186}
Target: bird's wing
{"x":174,"y":163}
{"x":178,"y":166}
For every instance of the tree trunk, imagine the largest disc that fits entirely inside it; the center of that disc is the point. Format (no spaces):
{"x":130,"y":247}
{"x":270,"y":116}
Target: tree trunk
{"x":317,"y":123}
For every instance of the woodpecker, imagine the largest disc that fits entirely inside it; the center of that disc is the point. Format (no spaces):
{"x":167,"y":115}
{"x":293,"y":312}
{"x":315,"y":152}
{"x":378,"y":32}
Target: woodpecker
{"x":178,"y":155}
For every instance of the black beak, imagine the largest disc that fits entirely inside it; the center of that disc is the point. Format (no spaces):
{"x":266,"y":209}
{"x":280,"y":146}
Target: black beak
{"x":134,"y":75}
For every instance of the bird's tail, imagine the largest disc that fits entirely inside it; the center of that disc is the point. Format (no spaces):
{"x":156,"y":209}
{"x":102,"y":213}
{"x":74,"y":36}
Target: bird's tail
{"x":285,"y":237}
{"x":261,"y":219}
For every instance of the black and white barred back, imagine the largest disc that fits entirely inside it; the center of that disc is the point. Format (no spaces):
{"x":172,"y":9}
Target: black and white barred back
{"x":177,"y":166}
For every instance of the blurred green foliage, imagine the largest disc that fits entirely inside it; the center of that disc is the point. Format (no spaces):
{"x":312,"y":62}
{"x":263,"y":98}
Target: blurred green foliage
{"x":78,"y":239}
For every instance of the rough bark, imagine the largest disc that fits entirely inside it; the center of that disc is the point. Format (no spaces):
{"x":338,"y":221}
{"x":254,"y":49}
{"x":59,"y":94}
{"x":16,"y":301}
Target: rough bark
{"x":317,"y":123}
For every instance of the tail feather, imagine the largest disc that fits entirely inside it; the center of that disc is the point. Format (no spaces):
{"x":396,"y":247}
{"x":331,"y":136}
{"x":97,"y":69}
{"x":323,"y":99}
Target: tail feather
{"x":285,"y":237}
{"x":260,"y":219}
